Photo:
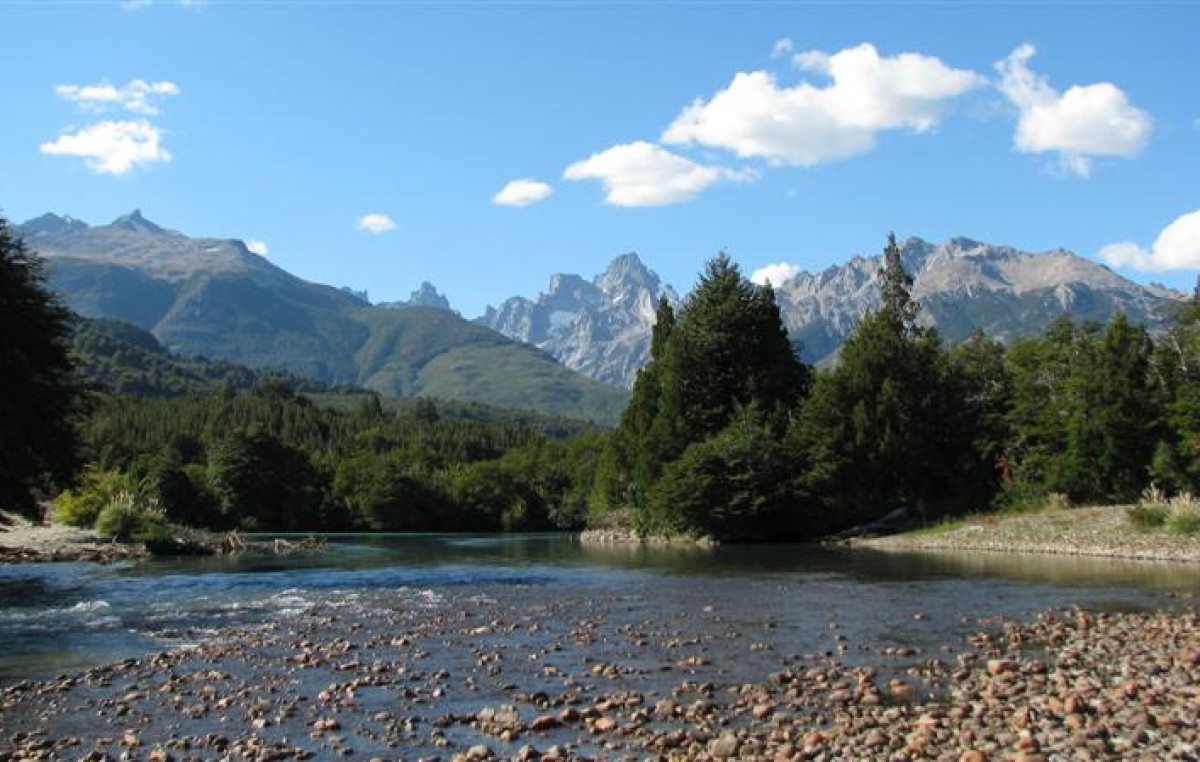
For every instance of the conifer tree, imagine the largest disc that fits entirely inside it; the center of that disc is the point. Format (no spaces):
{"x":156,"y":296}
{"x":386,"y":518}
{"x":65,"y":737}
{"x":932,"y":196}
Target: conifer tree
{"x":726,"y":351}
{"x":884,"y":427}
{"x":38,"y":396}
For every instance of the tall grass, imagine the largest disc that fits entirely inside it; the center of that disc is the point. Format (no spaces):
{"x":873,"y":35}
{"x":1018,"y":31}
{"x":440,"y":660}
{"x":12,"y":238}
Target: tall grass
{"x":1179,"y":514}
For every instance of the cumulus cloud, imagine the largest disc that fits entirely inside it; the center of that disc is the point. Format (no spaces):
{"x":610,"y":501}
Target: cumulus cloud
{"x":776,"y":274}
{"x":375,"y":223}
{"x":781,"y":47}
{"x":138,"y":95}
{"x":1176,"y":248}
{"x":807,"y":125}
{"x":257,"y":247}
{"x":522,"y":192}
{"x":1084,"y":122}
{"x":644,"y":174}
{"x":112,"y":147}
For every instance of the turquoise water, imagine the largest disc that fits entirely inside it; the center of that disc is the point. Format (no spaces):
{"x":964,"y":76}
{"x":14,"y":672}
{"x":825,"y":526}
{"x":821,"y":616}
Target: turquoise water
{"x":62,"y":618}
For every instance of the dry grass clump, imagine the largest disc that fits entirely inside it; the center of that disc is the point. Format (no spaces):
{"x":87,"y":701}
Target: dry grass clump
{"x":1179,"y":514}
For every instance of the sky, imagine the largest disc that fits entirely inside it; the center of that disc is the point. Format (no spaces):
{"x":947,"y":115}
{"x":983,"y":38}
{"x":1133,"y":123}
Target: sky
{"x":484,"y":146}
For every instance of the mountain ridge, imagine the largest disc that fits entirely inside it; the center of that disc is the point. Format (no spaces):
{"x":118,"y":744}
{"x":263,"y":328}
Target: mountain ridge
{"x":213,"y":297}
{"x":181,"y":289}
{"x":962,"y":284}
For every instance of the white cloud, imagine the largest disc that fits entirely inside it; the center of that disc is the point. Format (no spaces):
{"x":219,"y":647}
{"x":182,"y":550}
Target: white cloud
{"x":781,"y":47}
{"x":257,"y":247}
{"x":807,"y":125}
{"x":112,"y":147}
{"x":136,"y":95}
{"x":1081,"y":123}
{"x":1176,"y":248}
{"x":776,"y":274}
{"x":375,"y":223}
{"x":523,"y":192}
{"x":644,"y":174}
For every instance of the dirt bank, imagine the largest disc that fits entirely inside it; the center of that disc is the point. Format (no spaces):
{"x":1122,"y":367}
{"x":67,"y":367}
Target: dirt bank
{"x":23,"y":541}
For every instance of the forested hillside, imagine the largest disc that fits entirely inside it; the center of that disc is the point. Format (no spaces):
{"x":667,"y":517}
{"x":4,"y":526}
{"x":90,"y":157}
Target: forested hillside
{"x":214,"y":298}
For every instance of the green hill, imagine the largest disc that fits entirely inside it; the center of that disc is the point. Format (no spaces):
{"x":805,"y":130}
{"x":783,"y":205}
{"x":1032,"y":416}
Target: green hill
{"x":212,"y":297}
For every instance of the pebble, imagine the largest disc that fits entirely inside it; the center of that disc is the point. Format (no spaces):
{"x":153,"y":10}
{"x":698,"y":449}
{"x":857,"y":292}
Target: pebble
{"x":1062,"y":685}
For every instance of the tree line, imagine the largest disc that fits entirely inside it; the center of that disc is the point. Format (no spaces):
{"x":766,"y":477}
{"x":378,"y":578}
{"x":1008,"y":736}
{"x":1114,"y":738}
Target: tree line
{"x":270,"y":459}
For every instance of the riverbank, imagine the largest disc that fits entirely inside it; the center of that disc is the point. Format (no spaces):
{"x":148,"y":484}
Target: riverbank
{"x":1092,"y":531}
{"x":480,"y":679}
{"x":22,"y":541}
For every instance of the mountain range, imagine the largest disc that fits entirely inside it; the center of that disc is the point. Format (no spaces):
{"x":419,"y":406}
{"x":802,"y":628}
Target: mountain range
{"x":213,"y":297}
{"x":566,"y":351}
{"x":602,"y":327}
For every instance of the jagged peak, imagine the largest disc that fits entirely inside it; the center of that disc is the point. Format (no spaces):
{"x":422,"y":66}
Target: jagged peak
{"x":963,"y":243}
{"x":560,"y":282}
{"x":136,"y":222}
{"x":427,"y":295}
{"x":625,"y":263}
{"x":52,"y":224}
{"x":627,"y":269}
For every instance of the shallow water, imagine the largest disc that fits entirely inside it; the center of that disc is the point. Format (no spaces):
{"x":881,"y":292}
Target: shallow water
{"x":61,"y":618}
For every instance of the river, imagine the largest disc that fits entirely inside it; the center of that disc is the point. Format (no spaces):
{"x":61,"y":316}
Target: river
{"x":62,"y":618}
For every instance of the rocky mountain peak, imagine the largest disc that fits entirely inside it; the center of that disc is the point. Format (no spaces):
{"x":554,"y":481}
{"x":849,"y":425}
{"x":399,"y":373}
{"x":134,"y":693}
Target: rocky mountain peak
{"x":135,"y":222}
{"x":627,"y":270}
{"x":426,"y":295}
{"x":569,"y":286}
{"x":600,"y":327}
{"x":51,"y":224}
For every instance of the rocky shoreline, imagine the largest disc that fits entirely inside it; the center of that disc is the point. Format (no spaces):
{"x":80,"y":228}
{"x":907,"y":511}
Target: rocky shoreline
{"x":609,"y":537}
{"x":22,"y":541}
{"x":476,"y":679}
{"x":484,"y":682}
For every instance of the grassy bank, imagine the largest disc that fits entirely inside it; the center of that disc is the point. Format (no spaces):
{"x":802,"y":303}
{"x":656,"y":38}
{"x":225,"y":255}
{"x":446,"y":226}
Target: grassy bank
{"x":1091,"y":531}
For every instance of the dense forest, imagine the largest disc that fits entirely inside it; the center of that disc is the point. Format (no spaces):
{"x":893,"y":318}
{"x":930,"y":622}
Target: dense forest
{"x":727,"y":433}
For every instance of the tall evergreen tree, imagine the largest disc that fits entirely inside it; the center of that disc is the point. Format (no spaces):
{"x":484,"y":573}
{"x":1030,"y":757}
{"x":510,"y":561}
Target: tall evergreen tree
{"x":725,"y":351}
{"x":885,"y":426}
{"x":38,"y":396}
{"x":729,"y":349}
{"x":1123,"y":413}
{"x":1087,"y":412}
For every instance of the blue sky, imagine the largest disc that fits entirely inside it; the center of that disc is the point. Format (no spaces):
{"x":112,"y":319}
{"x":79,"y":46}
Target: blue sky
{"x":373,"y":144}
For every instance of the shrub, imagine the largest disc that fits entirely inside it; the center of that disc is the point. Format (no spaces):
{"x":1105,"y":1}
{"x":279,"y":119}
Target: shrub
{"x":1147,"y":515}
{"x":1151,"y":511}
{"x":1179,"y":514}
{"x":1184,"y":515}
{"x":97,"y":491}
{"x":125,"y":519}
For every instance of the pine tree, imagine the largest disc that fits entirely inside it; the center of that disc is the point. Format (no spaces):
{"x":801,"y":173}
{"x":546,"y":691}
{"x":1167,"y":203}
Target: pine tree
{"x":885,"y":426}
{"x":725,"y":352}
{"x":38,"y":397}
